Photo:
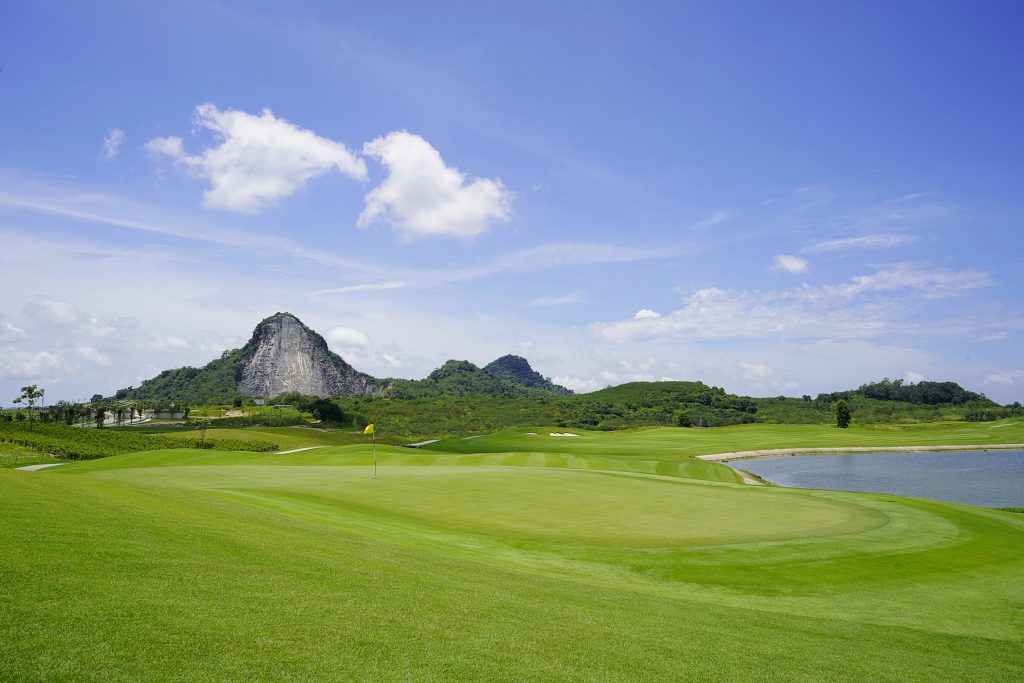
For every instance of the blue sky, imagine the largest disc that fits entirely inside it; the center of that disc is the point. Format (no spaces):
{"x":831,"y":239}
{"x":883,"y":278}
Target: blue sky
{"x":777,"y":198}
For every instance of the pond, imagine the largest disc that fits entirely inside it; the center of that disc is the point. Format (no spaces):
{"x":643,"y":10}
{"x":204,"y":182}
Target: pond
{"x":983,"y":478}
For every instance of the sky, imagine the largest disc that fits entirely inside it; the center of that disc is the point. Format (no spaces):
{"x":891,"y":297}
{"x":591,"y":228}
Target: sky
{"x":774,"y":198}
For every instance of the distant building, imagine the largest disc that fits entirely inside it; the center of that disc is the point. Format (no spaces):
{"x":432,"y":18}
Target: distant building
{"x":163,"y":414}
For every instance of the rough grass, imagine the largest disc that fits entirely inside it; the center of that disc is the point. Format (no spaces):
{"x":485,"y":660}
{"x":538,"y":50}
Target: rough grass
{"x":580,"y":562}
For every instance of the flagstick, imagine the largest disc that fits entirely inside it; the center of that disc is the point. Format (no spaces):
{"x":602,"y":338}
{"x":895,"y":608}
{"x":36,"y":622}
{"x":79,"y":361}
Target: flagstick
{"x":373,"y":439}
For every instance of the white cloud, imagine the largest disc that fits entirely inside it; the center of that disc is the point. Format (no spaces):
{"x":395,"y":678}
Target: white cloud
{"x":16,"y":364}
{"x":646,"y":313}
{"x":791,"y":264}
{"x":346,"y":337}
{"x":525,"y":346}
{"x":54,"y":311}
{"x":1006,"y":378}
{"x":580,"y":385}
{"x":367,"y":286}
{"x":858,"y":308}
{"x":994,"y":336}
{"x":909,"y":197}
{"x":761,"y":376}
{"x":112,"y":143}
{"x":9,"y":332}
{"x":570,"y":298}
{"x":93,"y":356}
{"x":259,"y":159}
{"x":883,"y":241}
{"x":929,"y":283}
{"x":913,"y":377}
{"x":423,"y":197}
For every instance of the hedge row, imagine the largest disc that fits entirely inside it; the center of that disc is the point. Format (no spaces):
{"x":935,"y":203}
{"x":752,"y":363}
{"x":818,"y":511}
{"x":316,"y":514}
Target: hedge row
{"x":76,"y":443}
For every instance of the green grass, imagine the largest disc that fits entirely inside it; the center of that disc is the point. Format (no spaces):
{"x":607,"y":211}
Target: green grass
{"x":608,"y":556}
{"x":13,"y":455}
{"x":667,"y":442}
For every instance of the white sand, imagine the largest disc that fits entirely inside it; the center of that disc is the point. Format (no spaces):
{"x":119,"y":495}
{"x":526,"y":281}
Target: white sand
{"x":33,"y":468}
{"x":298,"y":450}
{"x":562,"y":434}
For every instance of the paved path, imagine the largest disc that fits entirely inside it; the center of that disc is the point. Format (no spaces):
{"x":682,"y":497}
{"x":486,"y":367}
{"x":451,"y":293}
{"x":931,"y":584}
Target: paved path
{"x":299,"y":450}
{"x":33,"y":468}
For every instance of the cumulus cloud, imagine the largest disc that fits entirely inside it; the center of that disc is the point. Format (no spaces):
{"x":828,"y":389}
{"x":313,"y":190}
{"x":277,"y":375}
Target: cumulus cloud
{"x":791,"y":264}
{"x":646,"y":313}
{"x":580,"y":385}
{"x":913,"y":377}
{"x":259,"y":159}
{"x":424,"y":197}
{"x":357,"y":348}
{"x":346,"y":337}
{"x":112,"y":143}
{"x":762,"y":376}
{"x":17,"y":364}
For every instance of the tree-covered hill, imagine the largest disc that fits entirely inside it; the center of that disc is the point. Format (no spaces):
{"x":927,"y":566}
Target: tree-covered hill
{"x":517,"y":369}
{"x":889,"y":401}
{"x":212,"y":383}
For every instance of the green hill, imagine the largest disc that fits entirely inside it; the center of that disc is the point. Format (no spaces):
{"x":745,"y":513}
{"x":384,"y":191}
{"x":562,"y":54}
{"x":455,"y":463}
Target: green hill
{"x":516,"y":369}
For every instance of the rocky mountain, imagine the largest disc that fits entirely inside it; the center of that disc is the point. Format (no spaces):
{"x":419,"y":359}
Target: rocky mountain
{"x":516,"y":369}
{"x":285,"y":355}
{"x":282,"y":355}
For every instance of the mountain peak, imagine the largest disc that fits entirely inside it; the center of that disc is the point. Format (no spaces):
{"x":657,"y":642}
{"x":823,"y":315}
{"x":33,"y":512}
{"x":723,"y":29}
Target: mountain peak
{"x":285,"y":355}
{"x":517,"y":369}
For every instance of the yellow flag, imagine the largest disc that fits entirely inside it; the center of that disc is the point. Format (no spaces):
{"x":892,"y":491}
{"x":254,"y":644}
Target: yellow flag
{"x":369,"y":429}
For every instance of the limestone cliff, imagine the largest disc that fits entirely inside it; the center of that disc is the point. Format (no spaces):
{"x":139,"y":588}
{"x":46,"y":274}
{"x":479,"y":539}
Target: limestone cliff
{"x":285,"y":355}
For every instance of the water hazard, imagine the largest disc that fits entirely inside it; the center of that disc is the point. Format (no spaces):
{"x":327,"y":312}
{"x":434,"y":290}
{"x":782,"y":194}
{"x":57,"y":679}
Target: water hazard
{"x":983,"y":478}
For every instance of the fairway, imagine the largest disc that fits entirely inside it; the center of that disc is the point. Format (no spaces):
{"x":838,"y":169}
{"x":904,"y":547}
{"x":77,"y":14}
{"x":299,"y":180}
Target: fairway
{"x":612,"y":557}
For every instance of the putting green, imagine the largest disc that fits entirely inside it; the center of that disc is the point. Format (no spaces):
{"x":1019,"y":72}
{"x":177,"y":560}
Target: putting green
{"x":559,"y":505}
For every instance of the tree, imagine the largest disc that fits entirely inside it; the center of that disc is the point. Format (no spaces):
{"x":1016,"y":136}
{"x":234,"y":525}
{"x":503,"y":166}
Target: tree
{"x":101,"y":416}
{"x":325,"y":411}
{"x":202,"y":424}
{"x":841,"y":409}
{"x":29,"y":396}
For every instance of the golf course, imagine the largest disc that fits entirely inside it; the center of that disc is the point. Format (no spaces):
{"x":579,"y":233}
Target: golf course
{"x":516,"y":555}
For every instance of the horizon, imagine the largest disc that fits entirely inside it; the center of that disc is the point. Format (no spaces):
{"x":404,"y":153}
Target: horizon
{"x":778,"y":200}
{"x":480,"y":364}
